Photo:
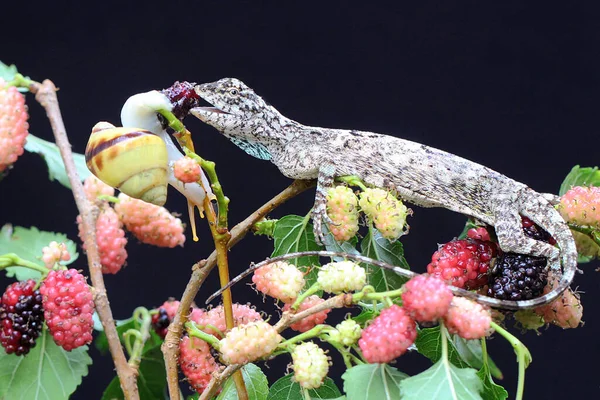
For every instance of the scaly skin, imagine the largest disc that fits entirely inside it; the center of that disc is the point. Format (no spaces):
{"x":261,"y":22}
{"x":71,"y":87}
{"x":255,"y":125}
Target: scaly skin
{"x":420,"y":174}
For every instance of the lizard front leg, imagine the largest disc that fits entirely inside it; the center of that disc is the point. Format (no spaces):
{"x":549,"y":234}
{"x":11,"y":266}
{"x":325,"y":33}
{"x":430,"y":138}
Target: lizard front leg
{"x":319,"y":210}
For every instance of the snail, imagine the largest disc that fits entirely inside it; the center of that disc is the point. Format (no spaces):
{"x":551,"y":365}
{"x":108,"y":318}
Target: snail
{"x":136,"y":158}
{"x":133,"y":160}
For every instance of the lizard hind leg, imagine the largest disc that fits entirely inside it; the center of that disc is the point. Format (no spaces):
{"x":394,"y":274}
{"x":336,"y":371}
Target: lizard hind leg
{"x":319,"y":211}
{"x":511,"y":237}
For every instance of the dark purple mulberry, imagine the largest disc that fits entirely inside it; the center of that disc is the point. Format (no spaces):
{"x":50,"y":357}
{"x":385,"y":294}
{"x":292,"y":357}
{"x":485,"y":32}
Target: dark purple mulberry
{"x":518,"y":277}
{"x":160,"y":322}
{"x":21,"y":317}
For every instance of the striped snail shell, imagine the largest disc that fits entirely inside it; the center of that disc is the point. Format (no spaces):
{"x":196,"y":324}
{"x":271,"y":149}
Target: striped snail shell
{"x":133,"y":160}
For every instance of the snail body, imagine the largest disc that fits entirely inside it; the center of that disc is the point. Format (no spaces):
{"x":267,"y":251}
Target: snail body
{"x":133,"y":160}
{"x":140,"y":110}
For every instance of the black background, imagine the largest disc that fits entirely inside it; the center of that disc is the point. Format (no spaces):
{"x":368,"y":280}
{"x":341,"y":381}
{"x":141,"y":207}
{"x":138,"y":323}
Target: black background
{"x":512,"y":86}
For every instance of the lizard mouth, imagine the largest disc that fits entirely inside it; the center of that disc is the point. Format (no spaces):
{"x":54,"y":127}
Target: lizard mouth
{"x":208,"y":110}
{"x":206,"y":114}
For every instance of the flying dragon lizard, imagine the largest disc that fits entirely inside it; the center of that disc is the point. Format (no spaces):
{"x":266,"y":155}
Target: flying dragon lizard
{"x":421,"y":175}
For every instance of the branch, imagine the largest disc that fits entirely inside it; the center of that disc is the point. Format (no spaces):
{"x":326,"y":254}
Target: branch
{"x":45,"y":94}
{"x":201,"y":269}
{"x":217,"y":381}
{"x":288,"y":318}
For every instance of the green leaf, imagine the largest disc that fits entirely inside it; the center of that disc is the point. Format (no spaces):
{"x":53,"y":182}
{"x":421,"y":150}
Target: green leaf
{"x":578,"y":176}
{"x":461,"y":352}
{"x":47,"y":373}
{"x":443,"y":381}
{"x":97,"y":323}
{"x":373,"y":382}
{"x":376,"y":246}
{"x":365,"y":316}
{"x":28,"y":244}
{"x":491,"y":391}
{"x":286,"y":389}
{"x":333,"y":245}
{"x":123,"y":326}
{"x":471,"y":352}
{"x":8,"y":72}
{"x":294,"y":233}
{"x":429,"y":343}
{"x":151,"y":381}
{"x":50,"y":154}
{"x":256,"y":384}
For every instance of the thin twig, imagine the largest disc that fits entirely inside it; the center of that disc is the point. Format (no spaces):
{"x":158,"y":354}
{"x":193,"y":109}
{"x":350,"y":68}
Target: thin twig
{"x":217,"y":381}
{"x":46,"y":96}
{"x":170,"y":347}
{"x":288,"y":318}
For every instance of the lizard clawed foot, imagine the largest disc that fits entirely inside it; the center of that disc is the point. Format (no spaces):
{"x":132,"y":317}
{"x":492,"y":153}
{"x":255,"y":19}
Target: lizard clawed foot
{"x":319,"y":214}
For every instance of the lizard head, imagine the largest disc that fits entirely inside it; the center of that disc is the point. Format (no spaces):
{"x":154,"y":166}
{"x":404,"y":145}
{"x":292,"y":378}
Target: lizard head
{"x":241,"y":115}
{"x":234,"y":105}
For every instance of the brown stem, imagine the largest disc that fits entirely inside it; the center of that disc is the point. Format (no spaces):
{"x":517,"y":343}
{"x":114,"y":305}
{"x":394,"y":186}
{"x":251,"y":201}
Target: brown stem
{"x":170,"y":347}
{"x":221,"y":239}
{"x":46,"y":96}
{"x":218,"y":380}
{"x":287,"y":319}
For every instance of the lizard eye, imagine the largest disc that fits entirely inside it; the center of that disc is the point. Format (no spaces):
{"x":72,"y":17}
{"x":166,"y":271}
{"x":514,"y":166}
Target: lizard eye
{"x":233,"y":92}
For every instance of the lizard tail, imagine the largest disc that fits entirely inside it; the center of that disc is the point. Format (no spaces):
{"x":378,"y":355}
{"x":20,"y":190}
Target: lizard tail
{"x":539,"y":210}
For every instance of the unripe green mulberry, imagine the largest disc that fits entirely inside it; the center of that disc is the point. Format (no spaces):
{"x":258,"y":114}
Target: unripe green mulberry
{"x":310,"y":366}
{"x":528,"y":319}
{"x":386,"y":211}
{"x":249,"y":342}
{"x":346,"y":332}
{"x":342,"y":208}
{"x":342,"y":276}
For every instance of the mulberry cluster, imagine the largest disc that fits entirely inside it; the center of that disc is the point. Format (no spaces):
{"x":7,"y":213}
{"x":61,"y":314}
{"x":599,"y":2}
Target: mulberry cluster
{"x":21,"y":317}
{"x":242,"y":314}
{"x":342,"y":276}
{"x":53,"y":253}
{"x":386,"y":211}
{"x":390,"y":334}
{"x":280,"y":280}
{"x":186,"y":170}
{"x":110,"y":238}
{"x":534,"y":231}
{"x":346,"y":332}
{"x":149,"y":223}
{"x":13,"y":125}
{"x":196,"y":362}
{"x":164,"y":316}
{"x":518,"y":277}
{"x":311,"y":321}
{"x":94,"y":187}
{"x":426,"y":298}
{"x":342,"y":208}
{"x":310,"y":365}
{"x":479,"y":233}
{"x":581,"y":205}
{"x":463,"y":263}
{"x":249,"y":342}
{"x":566,"y":311}
{"x":68,"y":308}
{"x":467,"y":318}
